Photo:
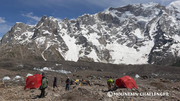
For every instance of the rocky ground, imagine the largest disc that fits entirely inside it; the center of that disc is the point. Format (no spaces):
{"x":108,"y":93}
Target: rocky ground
{"x":155,"y":83}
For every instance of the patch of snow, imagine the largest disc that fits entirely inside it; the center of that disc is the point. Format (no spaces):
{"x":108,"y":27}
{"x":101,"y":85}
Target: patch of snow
{"x":58,"y":64}
{"x":46,"y":32}
{"x":46,"y":68}
{"x":175,"y":48}
{"x":17,"y":30}
{"x":17,"y":78}
{"x":55,"y":19}
{"x":153,"y":28}
{"x":6,"y":78}
{"x":93,"y":37}
{"x":43,"y":56}
{"x":40,"y":40}
{"x":73,"y":52}
{"x":94,"y":56}
{"x":40,"y":25}
{"x":29,"y":75}
{"x":137,"y":76}
{"x":122,"y":54}
{"x":154,"y":74}
{"x":149,"y":5}
{"x":176,"y":38}
{"x":21,"y":65}
{"x":138,"y":33}
{"x":49,"y":43}
{"x":63,"y":71}
{"x":50,"y":69}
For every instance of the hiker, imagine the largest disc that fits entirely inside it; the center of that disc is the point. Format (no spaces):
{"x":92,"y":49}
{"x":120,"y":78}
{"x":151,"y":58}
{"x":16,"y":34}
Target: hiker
{"x":110,"y":83}
{"x":55,"y":82}
{"x":67,"y":83}
{"x":44,"y":84}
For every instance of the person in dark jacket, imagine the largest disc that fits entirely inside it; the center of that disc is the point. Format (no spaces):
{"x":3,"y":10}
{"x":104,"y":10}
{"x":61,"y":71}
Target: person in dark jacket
{"x":67,"y":83}
{"x":55,"y":82}
{"x":44,"y":84}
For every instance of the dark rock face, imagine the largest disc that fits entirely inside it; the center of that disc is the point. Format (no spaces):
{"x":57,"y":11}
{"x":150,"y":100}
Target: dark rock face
{"x":85,"y":59}
{"x":163,"y":42}
{"x":81,"y":40}
{"x":132,"y":34}
{"x":108,"y":18}
{"x":52,"y":54}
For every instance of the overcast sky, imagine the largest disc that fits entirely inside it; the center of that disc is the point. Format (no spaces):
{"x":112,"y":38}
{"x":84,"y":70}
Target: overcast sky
{"x":31,"y":11}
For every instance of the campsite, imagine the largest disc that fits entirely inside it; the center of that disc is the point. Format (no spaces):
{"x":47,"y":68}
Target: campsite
{"x":90,"y":50}
{"x":157,"y":83}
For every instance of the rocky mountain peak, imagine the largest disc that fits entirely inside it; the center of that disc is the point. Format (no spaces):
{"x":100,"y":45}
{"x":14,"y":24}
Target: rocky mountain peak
{"x":144,"y":10}
{"x":132,"y":34}
{"x":175,"y":5}
{"x":43,"y":18}
{"x":47,"y":22}
{"x":48,"y":25}
{"x":174,"y":9}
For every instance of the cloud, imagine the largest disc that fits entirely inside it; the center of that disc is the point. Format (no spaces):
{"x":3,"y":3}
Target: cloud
{"x":4,"y":28}
{"x":2,"y":20}
{"x":30,"y":15}
{"x":48,"y":3}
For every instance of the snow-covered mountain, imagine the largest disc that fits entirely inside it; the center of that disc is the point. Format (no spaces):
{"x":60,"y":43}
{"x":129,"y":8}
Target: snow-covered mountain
{"x":174,"y":8}
{"x":132,"y":34}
